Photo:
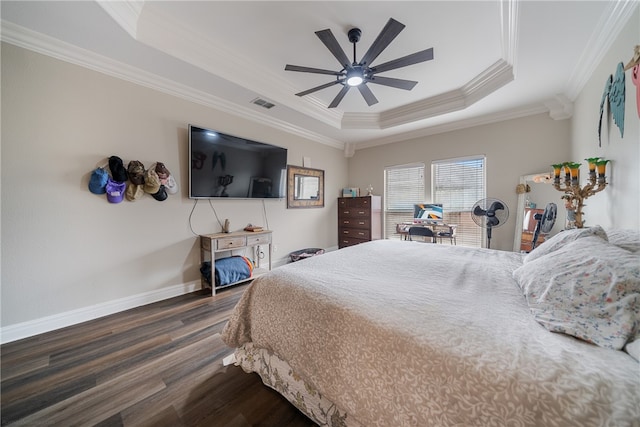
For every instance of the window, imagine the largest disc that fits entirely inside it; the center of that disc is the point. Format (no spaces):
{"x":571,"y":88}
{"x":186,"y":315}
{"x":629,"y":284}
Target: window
{"x":403,"y":187}
{"x":458,"y":184}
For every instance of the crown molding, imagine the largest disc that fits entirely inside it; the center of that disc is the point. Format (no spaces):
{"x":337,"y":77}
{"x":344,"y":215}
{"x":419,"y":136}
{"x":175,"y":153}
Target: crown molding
{"x":49,"y":46}
{"x":618,"y":14}
{"x":560,"y":107}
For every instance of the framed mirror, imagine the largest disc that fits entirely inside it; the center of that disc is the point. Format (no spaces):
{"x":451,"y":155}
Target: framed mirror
{"x":533,"y":198}
{"x":305,"y":187}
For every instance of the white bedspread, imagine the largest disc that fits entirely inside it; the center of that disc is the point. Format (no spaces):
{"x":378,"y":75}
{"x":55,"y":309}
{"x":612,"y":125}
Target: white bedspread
{"x":414,"y":334}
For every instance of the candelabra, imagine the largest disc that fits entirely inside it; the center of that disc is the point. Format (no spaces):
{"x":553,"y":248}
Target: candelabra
{"x":574,"y":194}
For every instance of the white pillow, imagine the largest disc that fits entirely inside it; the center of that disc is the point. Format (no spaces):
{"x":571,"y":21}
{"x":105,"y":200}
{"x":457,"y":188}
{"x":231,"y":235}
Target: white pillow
{"x":625,"y":239}
{"x":633,"y":348}
{"x":588,"y":288}
{"x":559,"y":240}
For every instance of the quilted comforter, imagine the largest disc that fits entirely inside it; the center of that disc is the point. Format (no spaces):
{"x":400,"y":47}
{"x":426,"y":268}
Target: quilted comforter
{"x":413,"y":334}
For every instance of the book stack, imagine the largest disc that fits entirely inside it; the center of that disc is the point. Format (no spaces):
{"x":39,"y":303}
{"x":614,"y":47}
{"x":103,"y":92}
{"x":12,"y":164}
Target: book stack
{"x":253,"y":228}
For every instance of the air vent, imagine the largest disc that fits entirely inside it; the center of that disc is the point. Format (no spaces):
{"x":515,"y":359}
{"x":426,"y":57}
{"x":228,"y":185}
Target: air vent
{"x":263,"y":103}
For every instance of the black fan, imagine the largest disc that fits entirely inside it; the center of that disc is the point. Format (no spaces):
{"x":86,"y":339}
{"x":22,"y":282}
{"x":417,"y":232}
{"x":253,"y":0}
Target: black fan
{"x":489,"y":213}
{"x":545,"y":222}
{"x":358,"y":74}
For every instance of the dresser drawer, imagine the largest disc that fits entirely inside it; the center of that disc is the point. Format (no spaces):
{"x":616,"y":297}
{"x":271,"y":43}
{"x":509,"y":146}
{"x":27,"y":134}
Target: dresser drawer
{"x":258,"y":239}
{"x":354,"y":222}
{"x":359,"y":233}
{"x":354,"y":212}
{"x":231,"y":242}
{"x":349,"y":241}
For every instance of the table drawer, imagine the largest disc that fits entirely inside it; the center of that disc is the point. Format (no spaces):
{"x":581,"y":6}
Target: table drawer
{"x":230,"y":243}
{"x":355,"y":222}
{"x":359,"y":233}
{"x":259,"y":239}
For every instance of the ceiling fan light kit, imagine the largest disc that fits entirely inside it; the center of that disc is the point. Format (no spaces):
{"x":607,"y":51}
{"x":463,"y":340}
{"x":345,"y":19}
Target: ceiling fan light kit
{"x":358,"y":74}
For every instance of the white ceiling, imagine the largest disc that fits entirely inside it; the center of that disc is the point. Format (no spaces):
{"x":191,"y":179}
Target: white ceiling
{"x":493,"y":60}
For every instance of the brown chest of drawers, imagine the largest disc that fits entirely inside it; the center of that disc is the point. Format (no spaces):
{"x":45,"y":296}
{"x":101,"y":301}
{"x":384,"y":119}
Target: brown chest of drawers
{"x":359,"y":220}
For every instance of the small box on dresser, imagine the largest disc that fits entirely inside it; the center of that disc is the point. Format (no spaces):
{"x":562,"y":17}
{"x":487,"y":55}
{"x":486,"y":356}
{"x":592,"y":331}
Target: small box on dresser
{"x":359,"y":220}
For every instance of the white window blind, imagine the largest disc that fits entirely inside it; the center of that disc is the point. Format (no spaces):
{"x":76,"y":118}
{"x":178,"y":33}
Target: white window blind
{"x":458,"y":184}
{"x":403,"y":187}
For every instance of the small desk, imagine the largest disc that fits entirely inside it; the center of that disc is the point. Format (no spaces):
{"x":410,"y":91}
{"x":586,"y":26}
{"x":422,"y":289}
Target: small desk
{"x":403,"y":229}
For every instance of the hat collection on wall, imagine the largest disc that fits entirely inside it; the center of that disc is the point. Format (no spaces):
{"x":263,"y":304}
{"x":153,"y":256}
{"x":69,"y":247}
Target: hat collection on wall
{"x":156,"y":181}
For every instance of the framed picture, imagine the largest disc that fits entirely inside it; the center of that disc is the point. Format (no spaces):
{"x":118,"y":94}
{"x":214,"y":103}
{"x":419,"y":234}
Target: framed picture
{"x":305,"y":187}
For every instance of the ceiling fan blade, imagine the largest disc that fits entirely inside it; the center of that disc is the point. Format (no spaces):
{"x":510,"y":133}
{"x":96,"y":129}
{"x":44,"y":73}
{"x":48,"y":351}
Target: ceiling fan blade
{"x":367,"y":94}
{"x":339,"y":96}
{"x":329,"y":40}
{"x":317,"y":88}
{"x":397,"y":83}
{"x":386,"y":36}
{"x":414,"y":58}
{"x":311,"y":70}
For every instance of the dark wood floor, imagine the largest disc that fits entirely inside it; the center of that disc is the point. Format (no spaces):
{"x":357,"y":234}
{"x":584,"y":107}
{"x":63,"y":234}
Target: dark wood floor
{"x":157,"y":365}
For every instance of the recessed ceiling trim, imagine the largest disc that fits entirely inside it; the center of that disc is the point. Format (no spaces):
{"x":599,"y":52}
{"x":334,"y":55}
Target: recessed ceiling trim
{"x":49,"y":46}
{"x":491,"y":79}
{"x":452,"y":126}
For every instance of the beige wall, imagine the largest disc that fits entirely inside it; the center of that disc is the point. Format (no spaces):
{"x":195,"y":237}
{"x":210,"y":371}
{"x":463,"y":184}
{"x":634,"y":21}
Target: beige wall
{"x":512,"y":148}
{"x":64,"y":248}
{"x":619,"y":204}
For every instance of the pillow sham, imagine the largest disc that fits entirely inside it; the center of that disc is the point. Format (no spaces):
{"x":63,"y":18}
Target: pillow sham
{"x":588,"y":288}
{"x":625,"y":239}
{"x":559,"y":240}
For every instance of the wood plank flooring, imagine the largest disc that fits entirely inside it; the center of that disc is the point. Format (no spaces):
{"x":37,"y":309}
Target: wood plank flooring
{"x":157,"y":365}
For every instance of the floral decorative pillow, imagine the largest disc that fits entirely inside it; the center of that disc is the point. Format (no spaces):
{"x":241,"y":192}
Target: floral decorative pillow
{"x":559,"y":240}
{"x":625,"y":239}
{"x":588,"y":288}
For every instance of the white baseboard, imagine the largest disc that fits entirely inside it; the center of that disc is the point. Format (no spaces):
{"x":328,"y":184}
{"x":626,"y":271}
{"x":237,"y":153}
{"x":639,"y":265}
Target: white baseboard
{"x":19,"y":331}
{"x":46,"y":324}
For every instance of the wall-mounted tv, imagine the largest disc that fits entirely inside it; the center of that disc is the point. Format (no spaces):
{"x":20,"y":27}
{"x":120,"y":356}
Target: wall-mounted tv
{"x":427,"y":212}
{"x":222,"y":165}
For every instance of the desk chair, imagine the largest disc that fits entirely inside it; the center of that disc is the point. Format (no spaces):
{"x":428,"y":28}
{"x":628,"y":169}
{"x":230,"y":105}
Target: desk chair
{"x":424,"y":232}
{"x":451,"y":234}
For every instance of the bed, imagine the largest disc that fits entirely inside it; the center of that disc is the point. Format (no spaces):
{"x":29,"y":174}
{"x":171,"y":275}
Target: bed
{"x":396,"y":333}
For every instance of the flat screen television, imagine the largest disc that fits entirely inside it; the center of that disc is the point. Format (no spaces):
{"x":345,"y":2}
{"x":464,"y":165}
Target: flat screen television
{"x":428,"y":212}
{"x":222,"y":165}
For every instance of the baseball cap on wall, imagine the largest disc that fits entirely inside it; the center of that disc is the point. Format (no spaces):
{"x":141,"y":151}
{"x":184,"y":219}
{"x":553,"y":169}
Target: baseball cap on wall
{"x":151,"y":181}
{"x":115,"y":191}
{"x":118,"y":172}
{"x":98,"y":181}
{"x":161,"y":194}
{"x":136,"y":172}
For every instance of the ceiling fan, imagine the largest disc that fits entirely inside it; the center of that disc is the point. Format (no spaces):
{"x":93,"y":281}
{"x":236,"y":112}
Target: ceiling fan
{"x":358,"y":74}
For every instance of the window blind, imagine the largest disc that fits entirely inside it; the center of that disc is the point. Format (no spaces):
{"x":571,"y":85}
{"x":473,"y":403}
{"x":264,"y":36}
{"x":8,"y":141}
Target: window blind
{"x":458,"y":184}
{"x":403,"y":187}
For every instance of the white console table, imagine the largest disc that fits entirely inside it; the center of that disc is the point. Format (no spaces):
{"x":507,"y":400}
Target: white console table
{"x":211,"y":244}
